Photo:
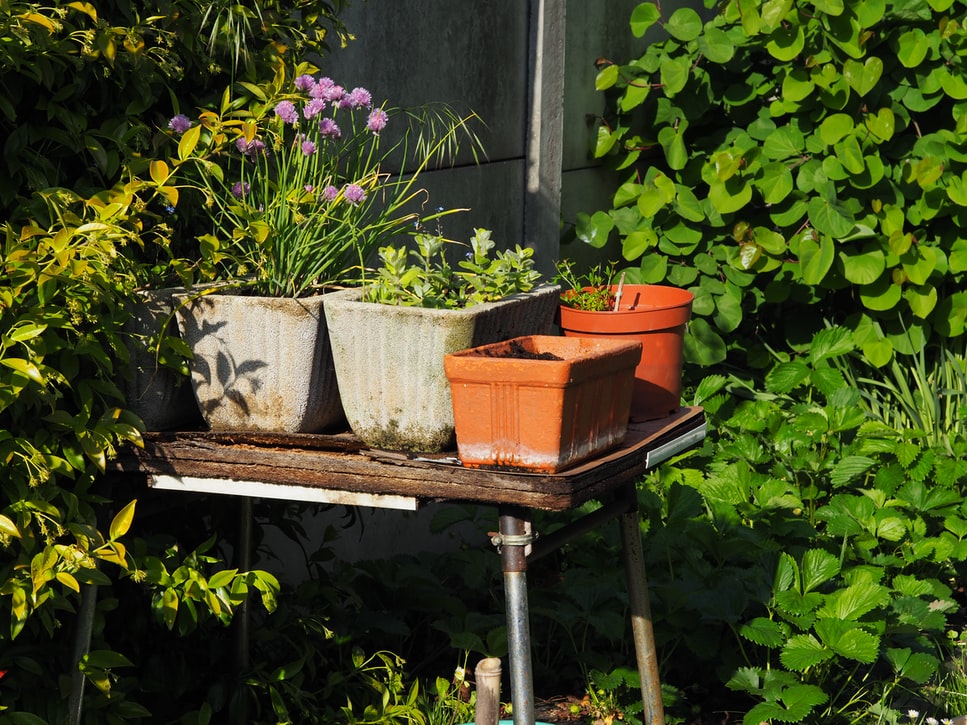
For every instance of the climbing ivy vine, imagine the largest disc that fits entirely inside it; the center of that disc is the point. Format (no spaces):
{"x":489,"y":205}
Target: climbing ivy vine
{"x":781,"y":156}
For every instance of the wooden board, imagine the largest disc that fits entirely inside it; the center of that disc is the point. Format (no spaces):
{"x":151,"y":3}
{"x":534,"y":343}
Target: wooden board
{"x":341,"y":462}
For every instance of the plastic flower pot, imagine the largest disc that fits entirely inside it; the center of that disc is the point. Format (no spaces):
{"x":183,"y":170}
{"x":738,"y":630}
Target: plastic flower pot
{"x":656,"y":316}
{"x":541,"y":403}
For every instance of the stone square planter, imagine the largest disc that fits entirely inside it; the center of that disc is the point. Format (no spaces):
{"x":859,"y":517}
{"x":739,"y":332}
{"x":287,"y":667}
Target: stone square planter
{"x":389,"y":360}
{"x":260,"y":363}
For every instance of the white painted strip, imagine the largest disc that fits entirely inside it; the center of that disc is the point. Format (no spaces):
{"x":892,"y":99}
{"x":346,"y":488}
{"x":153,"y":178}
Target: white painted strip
{"x":662,"y":453}
{"x":260,"y":489}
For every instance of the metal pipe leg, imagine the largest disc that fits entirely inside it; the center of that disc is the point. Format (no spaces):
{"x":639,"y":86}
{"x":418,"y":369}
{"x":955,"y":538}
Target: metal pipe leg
{"x":513,"y":541}
{"x":654,"y":713}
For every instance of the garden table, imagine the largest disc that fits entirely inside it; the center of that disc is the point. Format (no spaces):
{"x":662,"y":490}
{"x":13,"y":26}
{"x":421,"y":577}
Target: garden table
{"x":340,"y":469}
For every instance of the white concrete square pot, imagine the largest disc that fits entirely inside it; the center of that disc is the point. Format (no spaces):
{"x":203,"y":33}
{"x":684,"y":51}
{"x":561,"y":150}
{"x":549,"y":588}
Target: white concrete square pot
{"x":161,"y":397}
{"x":389,"y":360}
{"x":260,"y":363}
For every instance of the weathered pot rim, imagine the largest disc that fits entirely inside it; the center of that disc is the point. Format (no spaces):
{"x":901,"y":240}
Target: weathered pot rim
{"x":683,"y":298}
{"x":351,"y":297}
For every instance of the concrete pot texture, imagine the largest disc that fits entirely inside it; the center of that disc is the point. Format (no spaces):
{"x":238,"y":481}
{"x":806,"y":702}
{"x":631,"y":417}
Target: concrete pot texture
{"x":161,"y":397}
{"x":260,"y":363}
{"x":540,"y":403}
{"x":389,"y":360}
{"x":656,"y":316}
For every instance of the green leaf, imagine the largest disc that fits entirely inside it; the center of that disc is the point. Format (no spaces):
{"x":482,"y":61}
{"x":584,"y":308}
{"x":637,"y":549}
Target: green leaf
{"x":716,"y":45}
{"x":848,"y":640}
{"x":786,"y":142}
{"x":606,"y":77}
{"x":674,"y":75}
{"x":818,"y":567}
{"x":922,"y":300}
{"x":919,"y":667}
{"x":105,"y":660}
{"x":222,"y":578}
{"x":595,"y":229}
{"x":881,"y":295}
{"x":830,"y":342}
{"x":815,"y":259}
{"x":8,"y":527}
{"x":912,"y":47}
{"x":684,"y":24}
{"x":863,"y":77}
{"x":703,"y":346}
{"x":764,"y":632}
{"x":673,"y":143}
{"x":787,"y":376}
{"x":786,"y":43}
{"x":605,"y":141}
{"x":835,"y":128}
{"x":803,"y":651}
{"x":864,"y":266}
{"x":643,"y":17}
{"x":122,"y":521}
{"x":856,"y":600}
{"x":830,"y":218}
{"x":636,"y":243}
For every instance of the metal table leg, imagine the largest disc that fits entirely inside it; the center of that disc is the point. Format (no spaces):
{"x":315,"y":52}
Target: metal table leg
{"x":654,"y":713}
{"x":514,"y":539}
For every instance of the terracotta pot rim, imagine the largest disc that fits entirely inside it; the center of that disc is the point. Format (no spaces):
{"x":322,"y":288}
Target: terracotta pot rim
{"x":627,"y":291}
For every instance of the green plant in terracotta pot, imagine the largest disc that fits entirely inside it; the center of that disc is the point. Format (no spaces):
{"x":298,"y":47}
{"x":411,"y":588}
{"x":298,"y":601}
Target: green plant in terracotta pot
{"x":598,"y":306}
{"x":301,"y":181}
{"x":389,"y":338}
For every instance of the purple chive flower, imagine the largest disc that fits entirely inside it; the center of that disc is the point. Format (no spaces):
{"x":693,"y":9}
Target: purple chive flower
{"x":249,"y":148}
{"x":304,"y":82}
{"x":354,"y":194}
{"x":179,"y":123}
{"x":308,"y":188}
{"x":313,"y":108}
{"x":377,"y":120}
{"x":308,"y":148}
{"x":286,"y":111}
{"x":335,"y":94}
{"x":240,"y":189}
{"x":330,"y":193}
{"x":328,"y":128}
{"x":321,"y":88}
{"x":360,"y":98}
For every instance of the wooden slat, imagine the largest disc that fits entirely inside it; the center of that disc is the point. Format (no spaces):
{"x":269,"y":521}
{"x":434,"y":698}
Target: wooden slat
{"x":341,"y":462}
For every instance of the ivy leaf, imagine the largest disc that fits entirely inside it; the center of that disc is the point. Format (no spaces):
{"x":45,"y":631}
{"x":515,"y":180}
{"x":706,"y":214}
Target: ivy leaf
{"x":674,"y":75}
{"x":830,"y":217}
{"x":716,"y":45}
{"x":643,"y":17}
{"x":912,"y":47}
{"x":594,"y":229}
{"x":881,"y":295}
{"x":815,"y":259}
{"x":703,"y":346}
{"x":835,"y":128}
{"x":606,"y":77}
{"x":865,"y":266}
{"x":784,"y":143}
{"x":922,"y":300}
{"x":863,"y":77}
{"x":786,"y":43}
{"x":684,"y":24}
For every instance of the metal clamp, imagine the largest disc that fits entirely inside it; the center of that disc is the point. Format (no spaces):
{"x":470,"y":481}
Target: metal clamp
{"x":500,"y":540}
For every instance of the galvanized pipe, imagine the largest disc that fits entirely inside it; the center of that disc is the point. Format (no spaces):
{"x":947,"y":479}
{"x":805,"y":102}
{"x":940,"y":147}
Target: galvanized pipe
{"x":513,"y":542}
{"x":644,"y":636}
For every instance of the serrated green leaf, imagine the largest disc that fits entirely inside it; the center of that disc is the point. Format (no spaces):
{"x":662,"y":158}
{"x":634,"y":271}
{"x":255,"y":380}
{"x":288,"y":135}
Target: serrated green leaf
{"x":818,"y":566}
{"x":803,"y":651}
{"x":764,"y":632}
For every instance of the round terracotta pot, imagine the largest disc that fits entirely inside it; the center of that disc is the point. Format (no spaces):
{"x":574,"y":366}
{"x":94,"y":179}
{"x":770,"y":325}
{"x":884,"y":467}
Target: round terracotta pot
{"x":655,"y":315}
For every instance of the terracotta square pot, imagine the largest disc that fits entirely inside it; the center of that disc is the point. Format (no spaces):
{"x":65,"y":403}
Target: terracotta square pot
{"x":541,"y":403}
